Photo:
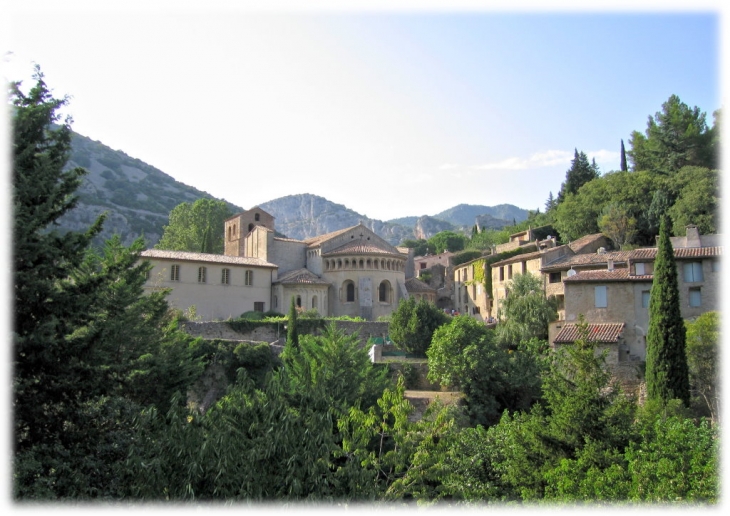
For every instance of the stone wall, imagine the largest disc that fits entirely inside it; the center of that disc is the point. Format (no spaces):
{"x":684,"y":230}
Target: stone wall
{"x":272,"y":334}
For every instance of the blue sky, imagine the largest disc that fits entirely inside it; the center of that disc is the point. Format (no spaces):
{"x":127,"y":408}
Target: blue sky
{"x":389,"y":112}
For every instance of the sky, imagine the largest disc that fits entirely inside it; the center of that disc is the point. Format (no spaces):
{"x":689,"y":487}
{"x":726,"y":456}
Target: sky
{"x":391,"y":112}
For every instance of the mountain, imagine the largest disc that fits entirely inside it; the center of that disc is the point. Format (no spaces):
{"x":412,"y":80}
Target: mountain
{"x":138,"y":197}
{"x":305,"y":215}
{"x":466,"y":214}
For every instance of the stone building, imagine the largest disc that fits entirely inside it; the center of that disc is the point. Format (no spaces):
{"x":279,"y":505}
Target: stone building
{"x":351,"y":272}
{"x":614,"y":295}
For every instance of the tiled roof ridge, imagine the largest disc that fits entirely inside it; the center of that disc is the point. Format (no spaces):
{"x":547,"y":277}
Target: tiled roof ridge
{"x":597,"y":332}
{"x":204,"y":257}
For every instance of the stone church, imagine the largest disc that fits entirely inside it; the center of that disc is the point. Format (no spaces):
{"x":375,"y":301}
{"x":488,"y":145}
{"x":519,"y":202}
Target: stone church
{"x":351,"y":272}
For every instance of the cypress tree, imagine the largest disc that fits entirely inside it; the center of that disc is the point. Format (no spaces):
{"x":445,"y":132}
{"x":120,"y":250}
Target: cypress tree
{"x":292,"y":333}
{"x":624,"y":166}
{"x":667,"y":373}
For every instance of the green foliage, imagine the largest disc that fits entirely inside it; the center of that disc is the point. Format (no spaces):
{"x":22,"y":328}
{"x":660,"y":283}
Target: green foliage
{"x":196,"y":227}
{"x":292,"y":332}
{"x":667,"y":374}
{"x":465,"y":256}
{"x":696,"y":193}
{"x":413,"y":323}
{"x":526,"y":312}
{"x":89,"y":348}
{"x":420,"y":247}
{"x":617,"y":224}
{"x":464,"y":355}
{"x":579,"y":173}
{"x":447,"y":241}
{"x":703,"y":336}
{"x":675,"y":137}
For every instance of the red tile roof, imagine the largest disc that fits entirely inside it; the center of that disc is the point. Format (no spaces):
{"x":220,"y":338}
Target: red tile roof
{"x":606,"y":275}
{"x":587,"y":260}
{"x":578,"y":245}
{"x":601,"y":332}
{"x":362,"y":247}
{"x":649,"y":253}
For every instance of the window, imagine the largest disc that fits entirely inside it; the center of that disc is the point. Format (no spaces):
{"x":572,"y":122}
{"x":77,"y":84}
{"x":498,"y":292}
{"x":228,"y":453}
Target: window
{"x":314,"y":302}
{"x":201,"y":274}
{"x":257,"y":217}
{"x":175,"y":273}
{"x":249,"y":278}
{"x":226,"y":276}
{"x":350,"y":292}
{"x":258,"y":306}
{"x":555,"y":277}
{"x":645,"y":298}
{"x":423,"y":265}
{"x":695,"y":297}
{"x":601,"y":296}
{"x":509,"y":271}
{"x":384,"y":292}
{"x":715,"y":265}
{"x":524,"y":267}
{"x":501,"y":273}
{"x":693,"y":272}
{"x":147,"y":274}
{"x":299,"y":301}
{"x":640,"y":269}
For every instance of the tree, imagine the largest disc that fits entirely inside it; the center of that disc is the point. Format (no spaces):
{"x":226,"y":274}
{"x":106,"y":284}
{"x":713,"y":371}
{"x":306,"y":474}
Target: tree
{"x":624,"y":166}
{"x":420,"y":247}
{"x":551,"y":203}
{"x":292,"y":332}
{"x":703,"y":335}
{"x":696,"y":193}
{"x":667,"y":373}
{"x":89,"y":348}
{"x":447,"y":241}
{"x":413,"y":323}
{"x":526,"y":312}
{"x":465,"y":355}
{"x":196,"y":227}
{"x":579,"y":173}
{"x":617,"y":224}
{"x":675,"y":137}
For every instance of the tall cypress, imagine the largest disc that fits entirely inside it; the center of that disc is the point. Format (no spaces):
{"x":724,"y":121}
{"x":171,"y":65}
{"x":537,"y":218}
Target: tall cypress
{"x":667,"y":373}
{"x":624,"y":166}
{"x":292,"y":333}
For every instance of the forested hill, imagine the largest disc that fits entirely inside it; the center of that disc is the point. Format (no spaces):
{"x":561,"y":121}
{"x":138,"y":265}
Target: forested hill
{"x":138,"y":197}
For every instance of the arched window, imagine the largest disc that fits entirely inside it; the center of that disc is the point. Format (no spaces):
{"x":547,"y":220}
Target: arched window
{"x":250,"y":227}
{"x":384,"y":292}
{"x":299,"y":301}
{"x":349,"y":292}
{"x":314,"y":302}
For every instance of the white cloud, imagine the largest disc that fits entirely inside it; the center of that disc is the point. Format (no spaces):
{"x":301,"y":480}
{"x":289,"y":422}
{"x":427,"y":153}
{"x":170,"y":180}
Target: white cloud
{"x":548,"y":158}
{"x":449,"y":166}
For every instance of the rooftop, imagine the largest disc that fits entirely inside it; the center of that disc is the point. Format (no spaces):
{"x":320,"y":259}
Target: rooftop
{"x":205,"y":257}
{"x":602,"y":332}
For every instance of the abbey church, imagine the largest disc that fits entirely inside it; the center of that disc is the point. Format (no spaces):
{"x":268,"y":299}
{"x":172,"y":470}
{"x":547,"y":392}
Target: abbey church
{"x":349,"y":272}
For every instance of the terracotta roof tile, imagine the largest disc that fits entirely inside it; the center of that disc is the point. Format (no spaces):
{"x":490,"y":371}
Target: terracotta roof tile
{"x":416,"y":285}
{"x":649,"y":253}
{"x":204,"y":257}
{"x":314,"y":241}
{"x":606,"y":275}
{"x":362,"y":247}
{"x":587,"y":260}
{"x":602,"y":332}
{"x":578,"y":245}
{"x":518,"y":258}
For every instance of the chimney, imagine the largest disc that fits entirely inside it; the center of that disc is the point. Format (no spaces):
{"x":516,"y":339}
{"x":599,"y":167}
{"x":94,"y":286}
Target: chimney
{"x":610,"y":264}
{"x":693,"y":236}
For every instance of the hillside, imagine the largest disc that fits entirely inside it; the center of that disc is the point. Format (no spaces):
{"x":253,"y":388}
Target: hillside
{"x":138,"y":197}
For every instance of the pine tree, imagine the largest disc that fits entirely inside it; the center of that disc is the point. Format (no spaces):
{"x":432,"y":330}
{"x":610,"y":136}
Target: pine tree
{"x":667,"y":372}
{"x":624,"y":166}
{"x":579,"y":173}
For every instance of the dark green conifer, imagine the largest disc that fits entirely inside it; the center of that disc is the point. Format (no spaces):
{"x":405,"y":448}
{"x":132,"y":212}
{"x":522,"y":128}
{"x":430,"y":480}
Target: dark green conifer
{"x":292,"y":333}
{"x":667,"y":373}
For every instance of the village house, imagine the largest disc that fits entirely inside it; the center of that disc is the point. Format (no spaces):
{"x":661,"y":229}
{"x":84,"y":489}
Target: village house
{"x":619,"y":297}
{"x":351,"y":272}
